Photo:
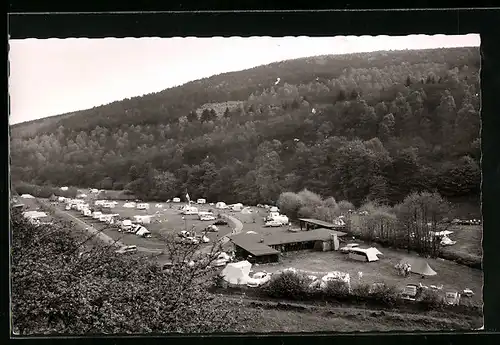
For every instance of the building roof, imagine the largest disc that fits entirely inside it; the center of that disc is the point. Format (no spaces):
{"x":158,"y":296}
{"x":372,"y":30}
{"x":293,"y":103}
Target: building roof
{"x":252,"y":244}
{"x":320,"y":223}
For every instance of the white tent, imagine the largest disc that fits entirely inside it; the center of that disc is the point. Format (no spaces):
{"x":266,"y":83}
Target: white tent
{"x":274,"y":209}
{"x":64,"y":188}
{"x":142,"y":231}
{"x":246,"y":210}
{"x":27,"y":196}
{"x":375,"y":251}
{"x":221,"y":205}
{"x":361,"y":254}
{"x":237,"y":207}
{"x":87,"y":212}
{"x":419,"y":266}
{"x":237,"y":273}
{"x":158,"y":205}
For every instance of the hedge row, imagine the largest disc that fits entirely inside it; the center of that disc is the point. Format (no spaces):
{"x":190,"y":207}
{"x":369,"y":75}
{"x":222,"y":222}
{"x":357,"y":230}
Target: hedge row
{"x":44,"y":191}
{"x":295,"y":286}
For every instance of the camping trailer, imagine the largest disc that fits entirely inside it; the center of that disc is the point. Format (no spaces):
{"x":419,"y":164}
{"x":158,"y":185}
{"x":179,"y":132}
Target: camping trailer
{"x":129,"y":205}
{"x":126,"y":224}
{"x":189,"y":210}
{"x":201,"y":201}
{"x":176,"y":200}
{"x":143,"y":206}
{"x":96,"y":215}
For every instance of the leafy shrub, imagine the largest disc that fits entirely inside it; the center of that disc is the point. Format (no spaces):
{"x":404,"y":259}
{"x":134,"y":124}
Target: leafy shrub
{"x":386,"y":294}
{"x":287,"y":285}
{"x":336,"y":289}
{"x":431,"y":299}
{"x":361,"y":290}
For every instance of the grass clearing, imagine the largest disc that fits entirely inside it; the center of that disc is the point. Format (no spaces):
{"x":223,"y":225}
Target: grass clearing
{"x":272,"y":317}
{"x":453,"y":276}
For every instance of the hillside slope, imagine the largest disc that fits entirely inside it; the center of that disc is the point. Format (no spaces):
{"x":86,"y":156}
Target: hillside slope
{"x":372,"y":125}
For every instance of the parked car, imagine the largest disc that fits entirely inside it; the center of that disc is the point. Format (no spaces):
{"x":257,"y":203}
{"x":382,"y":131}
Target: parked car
{"x":468,"y":292}
{"x":410,"y":292}
{"x":207,"y":217}
{"x":452,"y":298}
{"x":127,"y":250}
{"x":222,"y":260}
{"x":212,"y":228}
{"x":273,"y":223}
{"x":347,"y":248}
{"x":259,"y":279}
{"x":220,"y":222}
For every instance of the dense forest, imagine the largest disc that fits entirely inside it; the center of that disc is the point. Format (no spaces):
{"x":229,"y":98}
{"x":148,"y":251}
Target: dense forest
{"x":370,"y":126}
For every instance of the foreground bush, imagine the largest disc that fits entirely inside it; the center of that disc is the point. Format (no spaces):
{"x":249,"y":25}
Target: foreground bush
{"x":287,"y":285}
{"x":59,"y":286}
{"x":336,"y":289}
{"x":431,"y":299}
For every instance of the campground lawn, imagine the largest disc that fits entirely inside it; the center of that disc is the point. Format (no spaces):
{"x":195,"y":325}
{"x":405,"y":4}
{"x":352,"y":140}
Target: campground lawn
{"x":453,"y":276}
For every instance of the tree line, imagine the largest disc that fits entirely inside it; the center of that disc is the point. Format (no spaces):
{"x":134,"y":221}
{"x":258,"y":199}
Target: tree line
{"x":409,"y":224}
{"x":374,"y":126}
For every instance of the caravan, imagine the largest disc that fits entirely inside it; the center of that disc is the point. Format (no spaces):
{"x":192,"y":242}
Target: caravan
{"x":143,"y":206}
{"x":188,"y":210}
{"x":206,"y":216}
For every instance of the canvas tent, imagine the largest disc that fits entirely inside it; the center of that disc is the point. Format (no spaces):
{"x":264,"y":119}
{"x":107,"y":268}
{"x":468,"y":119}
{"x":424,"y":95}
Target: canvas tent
{"x":361,"y":254}
{"x":129,"y":205}
{"x":27,"y":196}
{"x":237,"y":273}
{"x":142,"y":231}
{"x":221,"y":205}
{"x":419,"y":266}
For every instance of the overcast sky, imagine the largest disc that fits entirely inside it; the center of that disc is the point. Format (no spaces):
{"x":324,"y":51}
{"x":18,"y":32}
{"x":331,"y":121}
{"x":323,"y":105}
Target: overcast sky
{"x":55,"y":76}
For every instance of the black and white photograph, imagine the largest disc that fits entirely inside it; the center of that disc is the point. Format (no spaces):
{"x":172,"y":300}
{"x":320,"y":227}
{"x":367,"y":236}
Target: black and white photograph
{"x":245,"y":184}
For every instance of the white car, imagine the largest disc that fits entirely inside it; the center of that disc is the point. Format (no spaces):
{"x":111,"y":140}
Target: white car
{"x":273,"y":223}
{"x":259,"y":279}
{"x":212,"y":228}
{"x":191,"y":240}
{"x":207,"y":217}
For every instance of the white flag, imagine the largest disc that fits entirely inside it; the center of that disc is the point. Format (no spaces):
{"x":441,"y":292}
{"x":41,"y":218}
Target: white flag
{"x":187,"y":197}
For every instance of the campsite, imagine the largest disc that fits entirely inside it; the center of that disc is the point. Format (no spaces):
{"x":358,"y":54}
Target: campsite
{"x":340,"y":189}
{"x":168,"y":219}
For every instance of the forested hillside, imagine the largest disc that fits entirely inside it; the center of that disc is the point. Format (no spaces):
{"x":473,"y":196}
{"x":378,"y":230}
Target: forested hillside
{"x":355,"y":127}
